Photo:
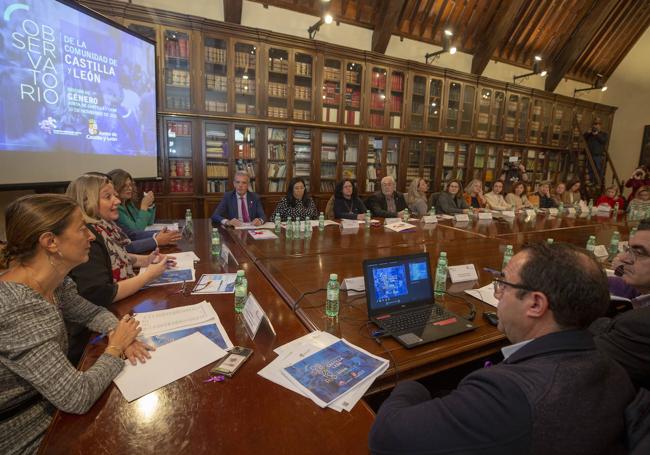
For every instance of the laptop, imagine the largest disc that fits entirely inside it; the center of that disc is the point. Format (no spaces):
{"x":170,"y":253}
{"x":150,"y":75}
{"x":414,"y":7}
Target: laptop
{"x":399,"y":294}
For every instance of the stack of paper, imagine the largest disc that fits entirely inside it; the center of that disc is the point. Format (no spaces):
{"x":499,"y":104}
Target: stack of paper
{"x":161,"y":226}
{"x":330,"y":371}
{"x":400,"y":227}
{"x":485,"y":294}
{"x":249,"y":226}
{"x":215,"y":283}
{"x":181,"y":272}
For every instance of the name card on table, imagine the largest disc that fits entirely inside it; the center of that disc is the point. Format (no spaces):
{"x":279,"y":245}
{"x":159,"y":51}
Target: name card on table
{"x":530,"y":213}
{"x":461,"y":217}
{"x":429,"y":219}
{"x":392,"y":220}
{"x":354,"y":285}
{"x":600,"y":251}
{"x":571,"y":211}
{"x":226,"y":253}
{"x":460,"y":273}
{"x":349,"y":226}
{"x":484,"y":215}
{"x":508,"y":213}
{"x":553,"y":212}
{"x":254,"y":315}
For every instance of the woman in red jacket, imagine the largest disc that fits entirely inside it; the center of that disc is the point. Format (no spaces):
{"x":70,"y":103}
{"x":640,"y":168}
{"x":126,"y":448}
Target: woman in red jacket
{"x":611,"y":197}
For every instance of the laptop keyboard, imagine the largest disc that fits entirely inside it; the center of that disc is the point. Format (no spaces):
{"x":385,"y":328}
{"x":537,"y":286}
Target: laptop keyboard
{"x":415,"y":319}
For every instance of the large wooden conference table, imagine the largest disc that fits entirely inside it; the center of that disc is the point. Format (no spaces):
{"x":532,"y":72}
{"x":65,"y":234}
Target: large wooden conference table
{"x":248,"y":414}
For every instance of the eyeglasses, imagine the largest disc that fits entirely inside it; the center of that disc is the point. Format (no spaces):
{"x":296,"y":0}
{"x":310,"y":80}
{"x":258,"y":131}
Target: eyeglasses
{"x":500,"y":285}
{"x":635,"y":252}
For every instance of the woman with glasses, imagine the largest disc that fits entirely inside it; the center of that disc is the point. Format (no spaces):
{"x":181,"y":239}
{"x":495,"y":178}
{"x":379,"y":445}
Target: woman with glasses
{"x":135,"y":215}
{"x":347,"y":204}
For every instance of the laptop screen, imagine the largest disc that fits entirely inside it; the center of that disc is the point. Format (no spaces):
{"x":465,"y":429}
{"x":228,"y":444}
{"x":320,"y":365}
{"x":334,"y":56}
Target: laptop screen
{"x":396,"y":282}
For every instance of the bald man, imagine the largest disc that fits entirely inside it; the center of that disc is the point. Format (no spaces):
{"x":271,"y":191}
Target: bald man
{"x":387,"y":203}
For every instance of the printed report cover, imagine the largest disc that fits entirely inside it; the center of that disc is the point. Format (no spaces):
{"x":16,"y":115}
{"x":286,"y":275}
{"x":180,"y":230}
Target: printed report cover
{"x":334,"y":371}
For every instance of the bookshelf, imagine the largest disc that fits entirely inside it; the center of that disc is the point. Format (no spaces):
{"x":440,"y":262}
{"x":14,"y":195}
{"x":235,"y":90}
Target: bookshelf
{"x":329,"y":159}
{"x":374,"y":170}
{"x":245,"y":152}
{"x":418,"y":94}
{"x":393,"y":147}
{"x":302,"y":156}
{"x":245,"y":78}
{"x":454,"y":162}
{"x":434,"y":105}
{"x":331,"y":91}
{"x":277,"y":86}
{"x":215,"y":69}
{"x":217,"y":156}
{"x":350,"y":156}
{"x":303,"y":85}
{"x":178,"y":140}
{"x":396,"y":106}
{"x":378,"y":97}
{"x":177,"y":50}
{"x":276,"y":159}
{"x":353,"y":91}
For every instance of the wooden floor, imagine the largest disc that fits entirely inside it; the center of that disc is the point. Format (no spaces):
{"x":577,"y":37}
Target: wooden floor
{"x":248,"y":414}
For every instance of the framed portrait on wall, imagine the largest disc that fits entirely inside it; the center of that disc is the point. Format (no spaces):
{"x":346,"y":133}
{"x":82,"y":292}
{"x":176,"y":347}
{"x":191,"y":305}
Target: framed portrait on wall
{"x":644,"y":157}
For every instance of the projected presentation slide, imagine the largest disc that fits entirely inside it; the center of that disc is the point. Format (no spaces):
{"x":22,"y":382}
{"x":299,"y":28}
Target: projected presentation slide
{"x":73,"y":83}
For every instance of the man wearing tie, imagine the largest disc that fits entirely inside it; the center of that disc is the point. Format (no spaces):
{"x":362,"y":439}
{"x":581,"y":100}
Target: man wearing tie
{"x":239,"y":206}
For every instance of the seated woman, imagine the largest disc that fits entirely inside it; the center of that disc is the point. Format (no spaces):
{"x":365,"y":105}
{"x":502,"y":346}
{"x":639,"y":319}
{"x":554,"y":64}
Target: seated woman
{"x":546,"y":201}
{"x":474,"y":194}
{"x":610,"y":198}
{"x":451,"y":201}
{"x":108,"y":275}
{"x":494,"y":200}
{"x":347,"y":204}
{"x":297,"y":204}
{"x":641,"y":203}
{"x":518,"y":197}
{"x":133,"y":216}
{"x":558,"y":193}
{"x":639,"y":178}
{"x":572,"y":195}
{"x":47,"y":237}
{"x":416,"y":198}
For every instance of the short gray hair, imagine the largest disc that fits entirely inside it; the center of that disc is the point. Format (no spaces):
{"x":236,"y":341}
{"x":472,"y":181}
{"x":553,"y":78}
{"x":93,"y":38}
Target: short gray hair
{"x":242,"y":174}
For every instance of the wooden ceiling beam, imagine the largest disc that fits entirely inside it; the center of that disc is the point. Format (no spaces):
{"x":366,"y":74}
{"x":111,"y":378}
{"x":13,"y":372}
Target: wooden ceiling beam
{"x":575,"y":45}
{"x":503,"y":19}
{"x":386,"y":20}
{"x":232,"y":11}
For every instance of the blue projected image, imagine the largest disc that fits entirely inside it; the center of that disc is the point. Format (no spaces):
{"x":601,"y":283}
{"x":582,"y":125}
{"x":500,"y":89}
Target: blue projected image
{"x":390,"y":282}
{"x":418,"y":271}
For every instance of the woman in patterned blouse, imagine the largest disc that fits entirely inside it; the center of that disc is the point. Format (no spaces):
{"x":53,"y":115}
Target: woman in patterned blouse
{"x":46,"y":237}
{"x":297,"y":204}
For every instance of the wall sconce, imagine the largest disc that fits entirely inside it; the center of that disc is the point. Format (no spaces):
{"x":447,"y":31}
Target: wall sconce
{"x":326,"y":19}
{"x":598,"y":85}
{"x":536,"y":70}
{"x":446,"y":47}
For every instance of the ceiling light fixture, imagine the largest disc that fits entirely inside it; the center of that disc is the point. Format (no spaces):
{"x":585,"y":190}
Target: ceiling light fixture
{"x":599,"y":84}
{"x":446,"y":47}
{"x":326,"y":19}
{"x":536,"y":70}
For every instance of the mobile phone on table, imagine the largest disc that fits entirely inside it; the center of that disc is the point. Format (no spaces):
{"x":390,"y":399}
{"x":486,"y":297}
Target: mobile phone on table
{"x":231,"y":363}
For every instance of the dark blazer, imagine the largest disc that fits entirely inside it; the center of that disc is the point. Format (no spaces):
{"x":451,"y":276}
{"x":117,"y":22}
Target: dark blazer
{"x":377,"y":204}
{"x":449,"y":204}
{"x":626,"y":339}
{"x":348,"y":209}
{"x":526,"y":404}
{"x":95,"y":278}
{"x":546,"y":202}
{"x":141,"y":241}
{"x":227,"y":208}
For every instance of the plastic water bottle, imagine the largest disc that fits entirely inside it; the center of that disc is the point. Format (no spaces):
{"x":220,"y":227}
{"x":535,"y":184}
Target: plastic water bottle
{"x":507,"y":255}
{"x":189,"y":224}
{"x":560,"y":208}
{"x":632,"y":232}
{"x":440,"y":285}
{"x":405,"y":215}
{"x":591,"y":244}
{"x":332,"y":302}
{"x":241,"y":291}
{"x":278,"y":223}
{"x":321,"y":222}
{"x":590,"y":206}
{"x":613,"y":244}
{"x":216,"y":243}
{"x":368,"y":219}
{"x":299,"y":229}
{"x":432,"y":211}
{"x":550,"y":241}
{"x":616,"y":207}
{"x":288,"y":229}
{"x":307,"y":228}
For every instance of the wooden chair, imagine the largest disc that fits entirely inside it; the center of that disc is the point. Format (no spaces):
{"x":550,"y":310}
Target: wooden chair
{"x":329,"y":209}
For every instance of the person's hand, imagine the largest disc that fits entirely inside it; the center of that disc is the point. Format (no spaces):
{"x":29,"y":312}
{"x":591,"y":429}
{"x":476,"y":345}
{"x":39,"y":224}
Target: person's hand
{"x":156,"y":269}
{"x":124,"y":333}
{"x":147,"y":200}
{"x":638,"y":174}
{"x":138,"y":350}
{"x":155,"y":257}
{"x":257,"y":222}
{"x":234,"y":222}
{"x":166,"y":237}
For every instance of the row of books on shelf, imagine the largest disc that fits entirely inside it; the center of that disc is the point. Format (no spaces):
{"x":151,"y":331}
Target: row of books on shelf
{"x":217,"y":186}
{"x":277,"y":186}
{"x":245,"y":166}
{"x":180,"y":186}
{"x":303,"y":69}
{"x":215,"y":55}
{"x":302,"y":169}
{"x":303,"y":136}
{"x":353,"y":77}
{"x":352,"y":117}
{"x":371,"y":172}
{"x":328,"y":152}
{"x":277,"y":89}
{"x":277,"y":152}
{"x":243,"y":108}
{"x":179,"y":129}
{"x":301,"y":152}
{"x":177,"y":48}
{"x":216,"y":82}
{"x":245,"y":60}
{"x":351,"y":154}
{"x":276,"y":170}
{"x":178,"y":102}
{"x":277,"y":134}
{"x":302,"y":93}
{"x":244,"y":86}
{"x":376,"y":120}
{"x":178,"y":78}
{"x":278,"y":65}
{"x":216,"y":106}
{"x":349,"y":172}
{"x":331,"y":74}
{"x":213,"y":170}
{"x":301,"y":114}
{"x":327,"y":186}
{"x":215,"y":149}
{"x":180,"y":168}
{"x":353,"y":97}
{"x":277,"y":112}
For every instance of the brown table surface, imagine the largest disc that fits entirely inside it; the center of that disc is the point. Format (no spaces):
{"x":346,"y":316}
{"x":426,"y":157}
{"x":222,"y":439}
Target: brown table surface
{"x":245,"y":414}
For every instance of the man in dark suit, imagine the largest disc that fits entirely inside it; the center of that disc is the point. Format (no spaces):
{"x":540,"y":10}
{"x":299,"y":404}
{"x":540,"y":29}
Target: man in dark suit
{"x":553,"y":377}
{"x":239,"y":206}
{"x":387,"y":203}
{"x":626,"y":338}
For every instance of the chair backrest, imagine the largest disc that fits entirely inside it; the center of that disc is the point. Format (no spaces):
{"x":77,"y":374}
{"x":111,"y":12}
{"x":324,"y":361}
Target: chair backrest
{"x":433,"y":201}
{"x":329,"y":209}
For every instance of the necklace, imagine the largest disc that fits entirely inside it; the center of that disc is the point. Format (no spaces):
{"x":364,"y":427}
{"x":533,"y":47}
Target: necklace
{"x":41,"y":290}
{"x":348,"y":206}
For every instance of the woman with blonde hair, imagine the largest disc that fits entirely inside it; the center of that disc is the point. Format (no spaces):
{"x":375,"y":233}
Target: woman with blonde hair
{"x":47,"y":237}
{"x":558,"y":192}
{"x":416,"y":198}
{"x":474,"y":194}
{"x":518,"y":197}
{"x":108,"y":276}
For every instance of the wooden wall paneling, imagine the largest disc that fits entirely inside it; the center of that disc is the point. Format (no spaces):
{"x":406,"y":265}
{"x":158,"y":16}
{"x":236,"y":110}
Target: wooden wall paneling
{"x":232,"y":11}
